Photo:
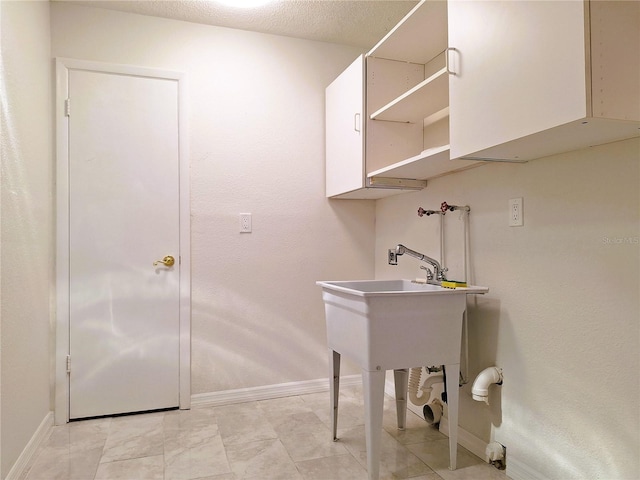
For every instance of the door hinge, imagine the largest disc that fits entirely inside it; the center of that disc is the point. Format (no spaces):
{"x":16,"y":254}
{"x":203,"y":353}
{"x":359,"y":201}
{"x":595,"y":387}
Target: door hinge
{"x":68,"y":363}
{"x":67,"y":107}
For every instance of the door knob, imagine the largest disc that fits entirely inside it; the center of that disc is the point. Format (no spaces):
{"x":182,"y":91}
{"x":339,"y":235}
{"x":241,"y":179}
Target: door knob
{"x":167,"y":261}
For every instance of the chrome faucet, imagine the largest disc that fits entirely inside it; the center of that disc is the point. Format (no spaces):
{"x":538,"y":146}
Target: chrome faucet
{"x":394,"y":253}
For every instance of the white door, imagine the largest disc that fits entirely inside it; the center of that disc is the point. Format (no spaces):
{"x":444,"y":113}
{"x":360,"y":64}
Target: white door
{"x":124,"y":212}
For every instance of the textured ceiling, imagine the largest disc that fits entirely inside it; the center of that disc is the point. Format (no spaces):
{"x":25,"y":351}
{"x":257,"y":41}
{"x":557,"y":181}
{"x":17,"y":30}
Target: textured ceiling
{"x":351,"y":22}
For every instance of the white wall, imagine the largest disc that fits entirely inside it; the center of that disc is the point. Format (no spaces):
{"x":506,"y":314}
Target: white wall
{"x":561,"y":317}
{"x":256,"y":133}
{"x":26,"y":213}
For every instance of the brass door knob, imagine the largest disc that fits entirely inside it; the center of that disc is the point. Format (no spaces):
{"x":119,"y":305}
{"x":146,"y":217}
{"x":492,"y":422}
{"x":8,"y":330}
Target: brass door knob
{"x":167,"y":261}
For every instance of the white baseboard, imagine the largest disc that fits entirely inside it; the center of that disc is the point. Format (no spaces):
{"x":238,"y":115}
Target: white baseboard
{"x":41,"y":434}
{"x":268,"y":392}
{"x":517,"y":470}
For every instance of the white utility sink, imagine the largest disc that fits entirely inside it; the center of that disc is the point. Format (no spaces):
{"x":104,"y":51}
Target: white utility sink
{"x":394,"y":325}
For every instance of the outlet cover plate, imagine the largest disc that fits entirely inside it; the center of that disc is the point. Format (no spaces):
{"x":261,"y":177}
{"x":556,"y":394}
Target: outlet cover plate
{"x":516,"y":217}
{"x":245,"y":223}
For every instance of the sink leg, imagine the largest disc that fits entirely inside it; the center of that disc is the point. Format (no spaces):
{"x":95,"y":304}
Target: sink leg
{"x":334,"y":390}
{"x":373,"y":385}
{"x":453,"y":390}
{"x":401,"y":379}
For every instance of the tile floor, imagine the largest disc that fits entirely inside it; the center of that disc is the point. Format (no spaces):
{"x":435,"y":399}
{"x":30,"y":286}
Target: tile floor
{"x":286,"y":438}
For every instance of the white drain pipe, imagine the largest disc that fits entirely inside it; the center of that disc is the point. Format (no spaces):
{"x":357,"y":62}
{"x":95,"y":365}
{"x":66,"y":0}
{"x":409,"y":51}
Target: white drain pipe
{"x":433,"y":412}
{"x":480,"y":389}
{"x":421,"y":398}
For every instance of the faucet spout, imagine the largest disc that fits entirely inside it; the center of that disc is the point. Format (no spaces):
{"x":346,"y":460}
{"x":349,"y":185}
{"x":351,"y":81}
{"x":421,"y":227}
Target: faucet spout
{"x":400,"y":249}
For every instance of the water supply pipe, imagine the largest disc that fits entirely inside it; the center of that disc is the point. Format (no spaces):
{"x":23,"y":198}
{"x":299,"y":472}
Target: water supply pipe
{"x":467,"y":277}
{"x":480,"y":388}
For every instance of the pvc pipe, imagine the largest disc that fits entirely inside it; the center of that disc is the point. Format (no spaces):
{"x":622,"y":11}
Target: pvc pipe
{"x":427,"y":386}
{"x":433,"y":412}
{"x":494,"y":452}
{"x":421,"y":398}
{"x":467,"y":278}
{"x":480,"y":388}
{"x":414,"y":385}
{"x":442,"y":240}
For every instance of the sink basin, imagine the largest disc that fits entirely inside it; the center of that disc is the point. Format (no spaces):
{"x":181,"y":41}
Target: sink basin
{"x":386,"y":287}
{"x":394,"y":325}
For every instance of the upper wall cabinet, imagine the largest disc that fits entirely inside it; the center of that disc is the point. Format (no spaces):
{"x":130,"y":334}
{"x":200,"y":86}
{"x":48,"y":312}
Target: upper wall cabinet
{"x":460,"y":82}
{"x":344,"y":150}
{"x":393,"y":133}
{"x":531,"y":78}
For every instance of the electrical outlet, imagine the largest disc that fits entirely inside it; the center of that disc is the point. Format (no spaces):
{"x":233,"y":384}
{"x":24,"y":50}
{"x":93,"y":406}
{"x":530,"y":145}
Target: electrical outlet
{"x":245,"y":223}
{"x":516,"y":217}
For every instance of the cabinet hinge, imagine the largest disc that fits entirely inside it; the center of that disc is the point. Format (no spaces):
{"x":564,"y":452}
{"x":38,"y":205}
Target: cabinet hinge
{"x":68,"y":363}
{"x":67,"y":107}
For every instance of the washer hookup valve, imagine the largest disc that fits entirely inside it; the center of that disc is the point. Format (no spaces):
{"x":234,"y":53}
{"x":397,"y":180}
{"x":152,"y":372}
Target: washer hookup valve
{"x":422,"y":212}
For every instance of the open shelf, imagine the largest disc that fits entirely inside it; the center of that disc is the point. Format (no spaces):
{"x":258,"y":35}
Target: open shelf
{"x":418,"y":37}
{"x":429,"y":96}
{"x":427,"y":164}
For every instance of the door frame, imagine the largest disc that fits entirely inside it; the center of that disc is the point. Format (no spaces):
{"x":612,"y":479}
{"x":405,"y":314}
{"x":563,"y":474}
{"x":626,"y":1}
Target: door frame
{"x":63,"y":66}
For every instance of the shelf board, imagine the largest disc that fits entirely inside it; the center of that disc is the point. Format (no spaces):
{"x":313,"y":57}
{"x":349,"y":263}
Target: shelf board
{"x":428,"y":97}
{"x":430,"y":163}
{"x":436,"y":117}
{"x":418,"y":37}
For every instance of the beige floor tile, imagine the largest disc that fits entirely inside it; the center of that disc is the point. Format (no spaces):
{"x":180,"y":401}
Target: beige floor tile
{"x":395,"y":460}
{"x":265,"y":460}
{"x":134,"y":437}
{"x":189,"y":436}
{"x":226,"y":476}
{"x":283,"y":407}
{"x":146,"y":468}
{"x":205,"y":459}
{"x":247,"y":408}
{"x":413,"y":433}
{"x":79,"y":436}
{"x":58,"y":463}
{"x":316,"y":400}
{"x":287,"y":438}
{"x":350,"y":413}
{"x":240,"y":428}
{"x":469,"y":467}
{"x":353,"y":391}
{"x":340,"y":467}
{"x":305,"y":437}
{"x":71,"y":452}
{"x":177,"y":420}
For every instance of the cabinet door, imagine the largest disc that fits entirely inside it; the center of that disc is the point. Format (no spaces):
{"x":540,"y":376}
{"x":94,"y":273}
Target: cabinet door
{"x":520,"y":68}
{"x":344,"y":131}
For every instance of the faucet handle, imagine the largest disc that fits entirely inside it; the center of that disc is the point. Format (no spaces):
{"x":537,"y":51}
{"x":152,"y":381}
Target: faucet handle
{"x":442,"y":274}
{"x":429,"y":272}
